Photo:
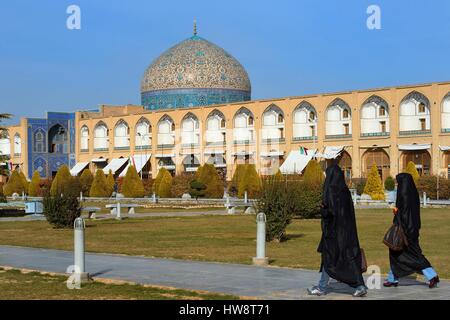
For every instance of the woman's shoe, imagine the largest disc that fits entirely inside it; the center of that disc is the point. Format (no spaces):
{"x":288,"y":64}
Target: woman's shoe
{"x":434,"y":282}
{"x":389,"y":284}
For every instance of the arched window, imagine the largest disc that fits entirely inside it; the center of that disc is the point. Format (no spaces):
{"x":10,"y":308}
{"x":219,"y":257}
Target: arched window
{"x":446,"y":114}
{"x":415,"y":114}
{"x":304,"y":122}
{"x":166,"y":131}
{"x":243,"y":131}
{"x":190,"y":127}
{"x":378,"y":157}
{"x":215,"y":128}
{"x":121,"y":135}
{"x":84,"y":139}
{"x":338,"y":119}
{"x":273,"y":124}
{"x":39,"y":141}
{"x":5,"y":143}
{"x":374,"y":117}
{"x":101,"y":140}
{"x":58,"y":140}
{"x":143,"y":139}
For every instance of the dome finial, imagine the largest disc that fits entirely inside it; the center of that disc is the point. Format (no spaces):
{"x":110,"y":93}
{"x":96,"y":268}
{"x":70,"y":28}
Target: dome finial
{"x":195,"y":27}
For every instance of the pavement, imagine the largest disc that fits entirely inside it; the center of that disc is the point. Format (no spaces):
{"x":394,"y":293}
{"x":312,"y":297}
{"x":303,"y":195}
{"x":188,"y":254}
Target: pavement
{"x":241,"y":280}
{"x":104,"y":216}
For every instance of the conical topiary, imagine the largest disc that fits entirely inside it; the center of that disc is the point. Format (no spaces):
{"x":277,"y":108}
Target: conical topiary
{"x":99,"y":188}
{"x":34,"y":188}
{"x":236,"y":180}
{"x":313,"y":174}
{"x":210,"y":178}
{"x":61,"y":182}
{"x":25,"y":182}
{"x":110,"y":182}
{"x":374,"y":185}
{"x":159,"y":176}
{"x":250,"y":182}
{"x":86,"y":180}
{"x":14,"y":185}
{"x":165,"y":185}
{"x":132,"y":186}
{"x":412,"y":170}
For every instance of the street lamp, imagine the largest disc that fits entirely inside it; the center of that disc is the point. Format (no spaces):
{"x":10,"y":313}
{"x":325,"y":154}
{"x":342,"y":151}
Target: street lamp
{"x":142,"y":136}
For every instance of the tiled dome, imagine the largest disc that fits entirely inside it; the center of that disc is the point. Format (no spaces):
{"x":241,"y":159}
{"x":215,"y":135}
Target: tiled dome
{"x":194,"y":72}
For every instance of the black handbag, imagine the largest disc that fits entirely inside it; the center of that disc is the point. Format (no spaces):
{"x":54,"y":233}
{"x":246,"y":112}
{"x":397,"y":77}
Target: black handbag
{"x":395,"y":238}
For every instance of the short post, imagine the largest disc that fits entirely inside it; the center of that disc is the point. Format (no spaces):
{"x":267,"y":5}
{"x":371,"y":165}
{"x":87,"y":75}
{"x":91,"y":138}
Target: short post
{"x":80,"y":267}
{"x":118,"y":217}
{"x":424,"y":199}
{"x":154,"y":197}
{"x":245,"y":197}
{"x":261,"y":259}
{"x":354,"y":196}
{"x":81,"y":196}
{"x":23,"y":196}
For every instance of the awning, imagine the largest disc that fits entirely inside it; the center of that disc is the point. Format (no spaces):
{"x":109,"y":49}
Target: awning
{"x":165,"y":155}
{"x":168,"y":167}
{"x":221,"y":165}
{"x":210,"y":152}
{"x":413,"y":147}
{"x":272,"y":154}
{"x":242,"y":153}
{"x":139,"y":162}
{"x":80,"y":166}
{"x":296,"y":162}
{"x":444,"y":148}
{"x":99,"y":160}
{"x":115,"y":165}
{"x":330,"y":152}
{"x":188,"y":153}
{"x":191,"y":169}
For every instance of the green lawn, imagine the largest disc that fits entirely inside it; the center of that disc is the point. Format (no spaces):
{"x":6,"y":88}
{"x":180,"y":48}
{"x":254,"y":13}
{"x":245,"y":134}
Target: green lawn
{"x":230,"y":238}
{"x":17,"y":285}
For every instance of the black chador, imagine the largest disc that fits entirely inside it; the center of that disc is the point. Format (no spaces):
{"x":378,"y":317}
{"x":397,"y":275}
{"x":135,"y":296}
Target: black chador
{"x":411,"y":259}
{"x":341,"y":253}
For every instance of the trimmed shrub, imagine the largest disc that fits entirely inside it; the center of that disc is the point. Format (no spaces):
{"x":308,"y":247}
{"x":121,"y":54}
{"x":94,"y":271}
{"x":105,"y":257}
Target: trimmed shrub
{"x":444,"y":188}
{"x":2,"y":195}
{"x":61,"y":211}
{"x":165,"y":185}
{"x":99,"y":186}
{"x":158,"y":179}
{"x":389,"y":184}
{"x":250,"y":182}
{"x":132,"y":184}
{"x":233,"y":188}
{"x":14,"y":185}
{"x":313,"y":175}
{"x":412,"y":170}
{"x":374,"y":186}
{"x":278,"y":205}
{"x":208,"y":176}
{"x":148,"y":186}
{"x":61,"y":182}
{"x":34,"y":189}
{"x":110,"y":182}
{"x":307,"y":199}
{"x":181,"y":184}
{"x":427,"y":184}
{"x":359,"y":184}
{"x":197,"y":189}
{"x":25,"y":182}
{"x":86,"y":180}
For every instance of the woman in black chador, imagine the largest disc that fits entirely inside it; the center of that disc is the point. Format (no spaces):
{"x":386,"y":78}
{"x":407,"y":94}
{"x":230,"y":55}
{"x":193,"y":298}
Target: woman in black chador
{"x":407,"y":213}
{"x":339,"y":246}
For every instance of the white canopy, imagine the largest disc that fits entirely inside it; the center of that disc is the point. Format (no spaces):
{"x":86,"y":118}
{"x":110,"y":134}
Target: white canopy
{"x":115,"y":165}
{"x":330,"y":152}
{"x":444,"y":148}
{"x":80,"y":166}
{"x":210,"y":152}
{"x":272,"y":154}
{"x":99,"y":160}
{"x":165,"y":155}
{"x":139,"y":161}
{"x":242,"y":153}
{"x":296,"y":162}
{"x":413,"y":147}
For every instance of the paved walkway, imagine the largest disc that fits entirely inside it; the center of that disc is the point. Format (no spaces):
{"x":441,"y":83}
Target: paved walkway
{"x":103,"y":216}
{"x":240,"y":280}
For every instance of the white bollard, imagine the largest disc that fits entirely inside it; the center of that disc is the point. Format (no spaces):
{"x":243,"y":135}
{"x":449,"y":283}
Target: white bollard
{"x":118,"y":217}
{"x":154,"y":197}
{"x":245,"y":197}
{"x":79,"y":254}
{"x":81,"y":196}
{"x":261,"y":259}
{"x":424,"y":199}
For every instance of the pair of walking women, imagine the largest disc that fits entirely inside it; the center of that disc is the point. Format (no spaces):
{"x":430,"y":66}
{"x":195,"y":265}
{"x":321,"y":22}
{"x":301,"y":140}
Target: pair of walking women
{"x":342,"y":258}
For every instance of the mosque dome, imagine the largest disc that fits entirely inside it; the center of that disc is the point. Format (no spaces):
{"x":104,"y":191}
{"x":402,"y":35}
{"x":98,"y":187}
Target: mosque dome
{"x":194,"y":72}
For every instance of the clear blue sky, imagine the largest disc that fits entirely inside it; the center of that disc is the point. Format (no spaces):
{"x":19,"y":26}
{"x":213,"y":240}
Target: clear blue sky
{"x":288,"y":47}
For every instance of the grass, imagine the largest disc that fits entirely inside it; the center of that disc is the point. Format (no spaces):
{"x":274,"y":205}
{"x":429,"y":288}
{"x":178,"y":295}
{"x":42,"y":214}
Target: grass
{"x":230,"y":239}
{"x":19,"y":285}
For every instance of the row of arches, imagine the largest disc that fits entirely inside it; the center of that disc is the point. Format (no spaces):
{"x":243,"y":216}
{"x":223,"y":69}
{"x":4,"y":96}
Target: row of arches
{"x":414,"y":113}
